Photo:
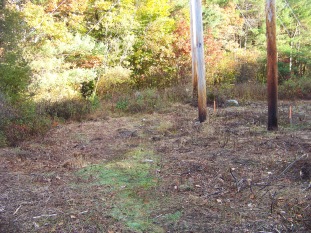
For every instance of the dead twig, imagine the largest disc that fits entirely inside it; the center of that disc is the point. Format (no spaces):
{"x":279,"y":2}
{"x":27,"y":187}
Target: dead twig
{"x":84,"y":212}
{"x":292,"y":163}
{"x":239,"y":183}
{"x":215,"y":193}
{"x":273,"y":201}
{"x":276,"y":229}
{"x":44,"y":215}
{"x":282,"y":173}
{"x":15,"y":212}
{"x":307,"y":188}
{"x":235,"y":179}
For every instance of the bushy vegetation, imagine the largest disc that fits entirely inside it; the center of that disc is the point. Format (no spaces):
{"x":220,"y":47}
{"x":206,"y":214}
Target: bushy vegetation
{"x":20,"y":122}
{"x":70,"y":109}
{"x":67,"y":55}
{"x":295,"y":88}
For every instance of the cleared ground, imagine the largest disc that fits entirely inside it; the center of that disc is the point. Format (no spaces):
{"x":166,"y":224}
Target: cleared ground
{"x":163,"y":172}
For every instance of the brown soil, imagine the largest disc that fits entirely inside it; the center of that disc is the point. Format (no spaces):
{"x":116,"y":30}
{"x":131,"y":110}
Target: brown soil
{"x":226,"y":175}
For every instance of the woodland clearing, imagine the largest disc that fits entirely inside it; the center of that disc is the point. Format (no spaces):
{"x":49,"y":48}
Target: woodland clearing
{"x":163,"y":172}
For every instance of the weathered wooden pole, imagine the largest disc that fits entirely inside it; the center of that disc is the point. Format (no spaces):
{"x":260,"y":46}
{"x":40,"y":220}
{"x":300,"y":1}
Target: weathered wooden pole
{"x":272,"y":68}
{"x":194,"y":61}
{"x":198,"y":66}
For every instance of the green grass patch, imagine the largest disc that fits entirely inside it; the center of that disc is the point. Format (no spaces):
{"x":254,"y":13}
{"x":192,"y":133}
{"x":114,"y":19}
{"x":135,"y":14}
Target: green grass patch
{"x":131,"y":182}
{"x":173,"y":217}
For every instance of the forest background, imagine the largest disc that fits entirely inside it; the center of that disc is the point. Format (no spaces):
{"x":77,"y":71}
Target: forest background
{"x":60,"y":60}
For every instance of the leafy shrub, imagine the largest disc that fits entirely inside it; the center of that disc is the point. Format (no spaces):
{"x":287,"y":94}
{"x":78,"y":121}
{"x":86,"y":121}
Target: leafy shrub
{"x":248,"y":66}
{"x":3,"y":141}
{"x":288,"y":89}
{"x":15,"y":72}
{"x":55,"y":85}
{"x":21,"y":122}
{"x":250,"y":91}
{"x":87,"y":89}
{"x":116,"y":79}
{"x":27,"y":119}
{"x":296,"y":88}
{"x":283,"y":72}
{"x":242,"y":92}
{"x":225,"y":72}
{"x":178,"y":93}
{"x":239,"y":67}
{"x":147,"y":100}
{"x":14,"y":76}
{"x":6,"y":112}
{"x":214,"y":95}
{"x":305,"y":84}
{"x":71,"y":109}
{"x":15,"y":133}
{"x":161,"y":75}
{"x":122,"y":104}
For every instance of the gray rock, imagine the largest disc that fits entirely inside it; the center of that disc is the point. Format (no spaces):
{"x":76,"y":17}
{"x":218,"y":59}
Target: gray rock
{"x":231,"y":103}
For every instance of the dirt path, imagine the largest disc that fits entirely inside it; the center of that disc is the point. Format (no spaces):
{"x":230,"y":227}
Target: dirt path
{"x":226,"y":175}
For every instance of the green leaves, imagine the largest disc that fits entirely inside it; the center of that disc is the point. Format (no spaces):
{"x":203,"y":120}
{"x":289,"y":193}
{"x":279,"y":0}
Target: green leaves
{"x":14,"y":76}
{"x":14,"y":70}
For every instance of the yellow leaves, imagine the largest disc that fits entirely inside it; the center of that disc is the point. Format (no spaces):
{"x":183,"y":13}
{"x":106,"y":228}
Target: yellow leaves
{"x":66,"y":6}
{"x":43,"y":23}
{"x":75,"y":22}
{"x":153,"y":9}
{"x":127,"y":2}
{"x":33,"y":14}
{"x":103,"y":5}
{"x":233,"y":15}
{"x":157,"y":34}
{"x":76,"y":5}
{"x":158,"y":7}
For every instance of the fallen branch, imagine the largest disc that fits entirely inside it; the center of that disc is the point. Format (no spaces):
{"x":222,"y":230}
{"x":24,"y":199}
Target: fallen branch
{"x":290,"y":165}
{"x":307,"y":188}
{"x":273,"y":201}
{"x":239,"y":183}
{"x":84,"y":212}
{"x":45,"y":215}
{"x":212,"y":194}
{"x":283,"y":172}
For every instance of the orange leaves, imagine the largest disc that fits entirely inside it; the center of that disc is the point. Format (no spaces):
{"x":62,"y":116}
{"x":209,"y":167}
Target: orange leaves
{"x":90,"y":61}
{"x":182,"y":45}
{"x":213,"y":51}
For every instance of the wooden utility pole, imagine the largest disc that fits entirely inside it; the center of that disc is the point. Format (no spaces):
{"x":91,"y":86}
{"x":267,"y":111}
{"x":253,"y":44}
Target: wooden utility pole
{"x":197,"y":50}
{"x":272,"y":68}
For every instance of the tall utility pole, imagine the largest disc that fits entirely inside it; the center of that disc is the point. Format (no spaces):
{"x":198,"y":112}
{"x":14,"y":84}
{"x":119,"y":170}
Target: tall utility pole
{"x":272,"y":68}
{"x":198,"y":66}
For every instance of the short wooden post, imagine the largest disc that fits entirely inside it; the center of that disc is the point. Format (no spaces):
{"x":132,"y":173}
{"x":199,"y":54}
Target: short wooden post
{"x":272,"y":69}
{"x":198,"y":66}
{"x":290,"y":115}
{"x":214,"y":106}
